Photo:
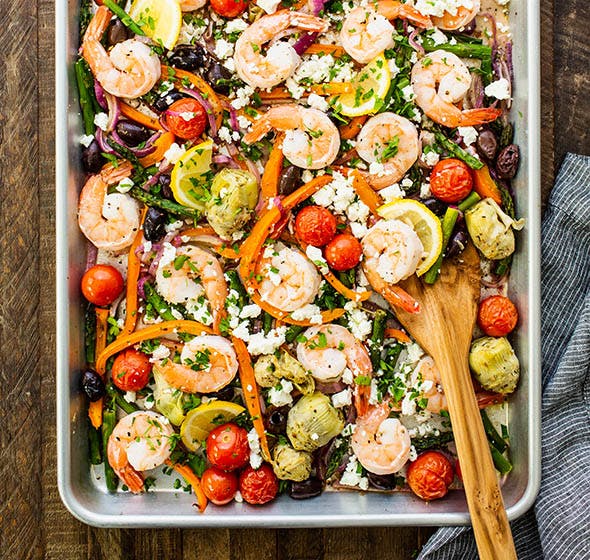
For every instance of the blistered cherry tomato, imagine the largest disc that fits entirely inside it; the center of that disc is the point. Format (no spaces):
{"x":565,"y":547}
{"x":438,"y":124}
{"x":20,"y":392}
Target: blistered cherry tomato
{"x":315,"y":226}
{"x":343,"y":252}
{"x":227,"y":447}
{"x":259,"y":486}
{"x":131,"y":370}
{"x":430,"y":475}
{"x":228,"y":8}
{"x":451,"y":180}
{"x":186,"y":118}
{"x":219,"y":486}
{"x":497,"y":316}
{"x":102,"y":284}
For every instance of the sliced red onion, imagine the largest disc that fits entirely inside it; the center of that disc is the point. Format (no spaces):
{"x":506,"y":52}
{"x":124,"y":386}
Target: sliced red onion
{"x":414,"y":43}
{"x":154,"y":266}
{"x":206,"y":105}
{"x":494,"y":39}
{"x":304,"y":42}
{"x":233,"y":118}
{"x":91,"y":255}
{"x":221,"y":159}
{"x":165,"y":166}
{"x":99,"y":94}
{"x":253,"y":168}
{"x":139,"y":152}
{"x":114,"y":111}
{"x":141,"y":282}
{"x":102,"y":142}
{"x":317,"y":6}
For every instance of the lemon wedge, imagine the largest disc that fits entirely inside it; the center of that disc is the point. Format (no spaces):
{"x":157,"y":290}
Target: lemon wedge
{"x":370,"y":86}
{"x":201,"y":420}
{"x":425,"y":224}
{"x":188,"y":176}
{"x":160,"y":20}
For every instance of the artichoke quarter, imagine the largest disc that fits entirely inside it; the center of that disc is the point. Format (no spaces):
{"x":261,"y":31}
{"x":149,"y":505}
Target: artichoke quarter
{"x":289,"y":464}
{"x":168,"y":399}
{"x":494,"y":364}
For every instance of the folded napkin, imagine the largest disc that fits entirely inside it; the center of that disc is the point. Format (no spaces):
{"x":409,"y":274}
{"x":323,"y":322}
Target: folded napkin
{"x":558,"y":526}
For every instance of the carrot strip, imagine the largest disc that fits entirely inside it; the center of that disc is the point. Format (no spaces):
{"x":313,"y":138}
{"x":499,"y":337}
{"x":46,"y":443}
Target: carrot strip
{"x":345,"y":291}
{"x":133,"y":268}
{"x":138,"y":116}
{"x":485,"y":186}
{"x":251,"y":394}
{"x":277,"y":93}
{"x":162,"y":144}
{"x":318,"y":48}
{"x":269,"y":183}
{"x":189,"y":476}
{"x":366,"y":193}
{"x":95,"y":408}
{"x":332,"y":88}
{"x":397,"y":334}
{"x":153,"y":331}
{"x":350,"y":130}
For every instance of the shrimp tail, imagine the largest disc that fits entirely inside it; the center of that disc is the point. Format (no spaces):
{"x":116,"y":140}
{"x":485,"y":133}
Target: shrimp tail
{"x":398,"y":297}
{"x":98,"y":24}
{"x":261,"y":127}
{"x":473,"y":117}
{"x":397,"y":10}
{"x":132,"y":478}
{"x":362,"y":394}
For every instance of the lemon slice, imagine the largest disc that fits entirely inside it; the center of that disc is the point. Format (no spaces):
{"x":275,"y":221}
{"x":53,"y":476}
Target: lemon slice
{"x":425,"y":224}
{"x":187,"y":177}
{"x":370,"y":86}
{"x":160,"y":20}
{"x":201,"y":420}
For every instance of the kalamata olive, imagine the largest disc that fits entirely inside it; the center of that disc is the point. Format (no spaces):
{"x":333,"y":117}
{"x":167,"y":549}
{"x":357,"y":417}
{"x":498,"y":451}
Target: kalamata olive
{"x":225,"y":394}
{"x":382,"y":482}
{"x":277,"y":421}
{"x":457,"y":243}
{"x":132,"y":133}
{"x":165,"y":190}
{"x":153,"y":225}
{"x":92,"y":158}
{"x":309,"y":488}
{"x":163,"y":102}
{"x":217,"y":76}
{"x":116,"y":33}
{"x":93,"y":385}
{"x":189,"y":57}
{"x":507,"y":162}
{"x":289,"y":180}
{"x":436,"y":206}
{"x":487,"y":144}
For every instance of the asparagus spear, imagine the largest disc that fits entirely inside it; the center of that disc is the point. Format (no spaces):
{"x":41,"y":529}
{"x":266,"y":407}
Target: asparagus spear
{"x":448,"y":224}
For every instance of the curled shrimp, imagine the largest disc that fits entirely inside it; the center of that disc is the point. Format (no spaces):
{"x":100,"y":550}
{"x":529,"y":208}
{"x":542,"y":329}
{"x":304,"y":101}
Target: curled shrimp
{"x":328,"y":351}
{"x":110,"y":221}
{"x":381,"y":444}
{"x":191,"y":5}
{"x":184,"y":274}
{"x":392,"y":140}
{"x":261,"y":70}
{"x":439,"y":81}
{"x":311,"y":139}
{"x":289,"y":279}
{"x":130,"y":69}
{"x":207,"y":364}
{"x":139,"y":442}
{"x":392,"y":251}
{"x":461,"y":17}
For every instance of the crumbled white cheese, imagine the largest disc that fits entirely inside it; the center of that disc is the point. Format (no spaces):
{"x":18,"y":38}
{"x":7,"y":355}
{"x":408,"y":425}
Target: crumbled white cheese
{"x":408,"y":93}
{"x":86,"y":140}
{"x":391,"y":193}
{"x":348,"y":430}
{"x":130,"y":396}
{"x":430,"y":158}
{"x":347,"y":376}
{"x":249,"y":311}
{"x":425,"y":190}
{"x":236,"y":24}
{"x":438,"y":8}
{"x":238,"y":497}
{"x":125,"y":185}
{"x":269,"y":6}
{"x":242,"y":97}
{"x":374,"y":394}
{"x":341,"y":399}
{"x":500,"y":89}
{"x":261,"y":343}
{"x":315,"y":255}
{"x":317,"y":102}
{"x":309,"y":312}
{"x":160,"y":353}
{"x":281,"y":394}
{"x":223,"y":49}
{"x":173,"y":226}
{"x":413,"y":453}
{"x":408,"y":405}
{"x":352,"y":476}
{"x":174,"y":153}
{"x":414,"y":352}
{"x":244,"y":123}
{"x":359,"y":323}
{"x":254,"y":443}
{"x":224,"y":134}
{"x":101,"y":120}
{"x":438,"y":37}
{"x":469,"y":134}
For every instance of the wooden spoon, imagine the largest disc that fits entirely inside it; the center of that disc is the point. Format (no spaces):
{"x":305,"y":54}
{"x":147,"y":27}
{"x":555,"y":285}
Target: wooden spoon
{"x":443,"y":328}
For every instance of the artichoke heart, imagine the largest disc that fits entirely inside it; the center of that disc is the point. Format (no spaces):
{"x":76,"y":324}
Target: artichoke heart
{"x":494,"y":364}
{"x":313,"y":422}
{"x":269,"y":370}
{"x":289,"y":464}
{"x":168,"y":399}
{"x":266,"y":371}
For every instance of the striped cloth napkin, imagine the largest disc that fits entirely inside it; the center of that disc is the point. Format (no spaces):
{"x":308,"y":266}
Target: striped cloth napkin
{"x":558,"y":526}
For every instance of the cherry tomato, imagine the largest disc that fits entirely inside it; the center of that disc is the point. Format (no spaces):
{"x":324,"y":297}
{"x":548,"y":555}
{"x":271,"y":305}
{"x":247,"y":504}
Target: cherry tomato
{"x":186,"y":118}
{"x":451,"y":180}
{"x":315,"y":226}
{"x":497,"y":316}
{"x":102,"y":284}
{"x":227,"y":447}
{"x":259,"y":486}
{"x":219,"y":486}
{"x":131,"y":370}
{"x":228,"y":8}
{"x":343,"y":252}
{"x":430,"y":475}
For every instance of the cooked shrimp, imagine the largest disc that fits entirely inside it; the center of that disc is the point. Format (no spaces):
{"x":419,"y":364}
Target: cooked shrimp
{"x":439,"y":81}
{"x":139,"y":442}
{"x":459,"y":18}
{"x":130,"y":69}
{"x":110,"y":221}
{"x":381,"y":444}
{"x":289,"y":279}
{"x":431,"y":388}
{"x":185,"y":273}
{"x":366,"y":31}
{"x":261,"y":70}
{"x":311,"y":139}
{"x":392,"y":141}
{"x":191,"y":5}
{"x":207,"y":364}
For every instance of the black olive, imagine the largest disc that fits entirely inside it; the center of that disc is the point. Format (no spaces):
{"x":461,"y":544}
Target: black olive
{"x":382,"y":482}
{"x":487,"y":144}
{"x":225,"y":394}
{"x":289,"y":180}
{"x":507,"y":162}
{"x":131,"y":133}
{"x":217,"y":76}
{"x":154,"y":224}
{"x":116,"y":33}
{"x":189,"y":57}
{"x":277,"y":421}
{"x":457,"y":243}
{"x":163,"y":102}
{"x":92,"y":158}
{"x":309,"y":488}
{"x":93,"y":385}
{"x":436,"y":206}
{"x":165,"y":190}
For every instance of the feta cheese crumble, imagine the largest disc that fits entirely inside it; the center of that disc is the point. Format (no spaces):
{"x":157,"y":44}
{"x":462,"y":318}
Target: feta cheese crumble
{"x":500,"y":89}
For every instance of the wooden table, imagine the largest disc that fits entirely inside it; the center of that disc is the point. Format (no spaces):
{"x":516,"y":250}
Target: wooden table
{"x":34,"y":522}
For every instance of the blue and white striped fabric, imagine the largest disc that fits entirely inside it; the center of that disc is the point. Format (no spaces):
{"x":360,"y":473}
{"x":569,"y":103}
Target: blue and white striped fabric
{"x":558,"y":527}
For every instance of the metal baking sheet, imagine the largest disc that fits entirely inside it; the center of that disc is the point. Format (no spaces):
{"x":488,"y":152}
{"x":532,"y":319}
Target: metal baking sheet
{"x":88,"y":500}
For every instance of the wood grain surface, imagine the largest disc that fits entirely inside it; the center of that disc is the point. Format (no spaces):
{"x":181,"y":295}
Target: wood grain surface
{"x":34,"y":522}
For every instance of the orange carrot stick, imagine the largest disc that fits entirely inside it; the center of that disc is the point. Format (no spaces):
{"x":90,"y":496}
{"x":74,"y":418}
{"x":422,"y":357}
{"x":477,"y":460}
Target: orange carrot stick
{"x":318,"y":48}
{"x":485,"y":186}
{"x":332,"y":88}
{"x":95,"y":408}
{"x":133,"y":268}
{"x":366,"y":193}
{"x":269,"y":183}
{"x":138,"y":116}
{"x":397,"y":334}
{"x":162,"y":144}
{"x":350,"y":130}
{"x":189,"y":476}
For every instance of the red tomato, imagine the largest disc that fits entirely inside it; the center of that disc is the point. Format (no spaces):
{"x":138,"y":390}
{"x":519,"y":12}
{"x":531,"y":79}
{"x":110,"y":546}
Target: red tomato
{"x":430,"y":475}
{"x":227,"y":447}
{"x":219,"y":486}
{"x":315,"y":226}
{"x":451,"y":180}
{"x":131,"y":370}
{"x":186,"y":118}
{"x":343,"y":252}
{"x":259,"y":486}
{"x":228,"y":8}
{"x":497,"y":316}
{"x":102,"y":284}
